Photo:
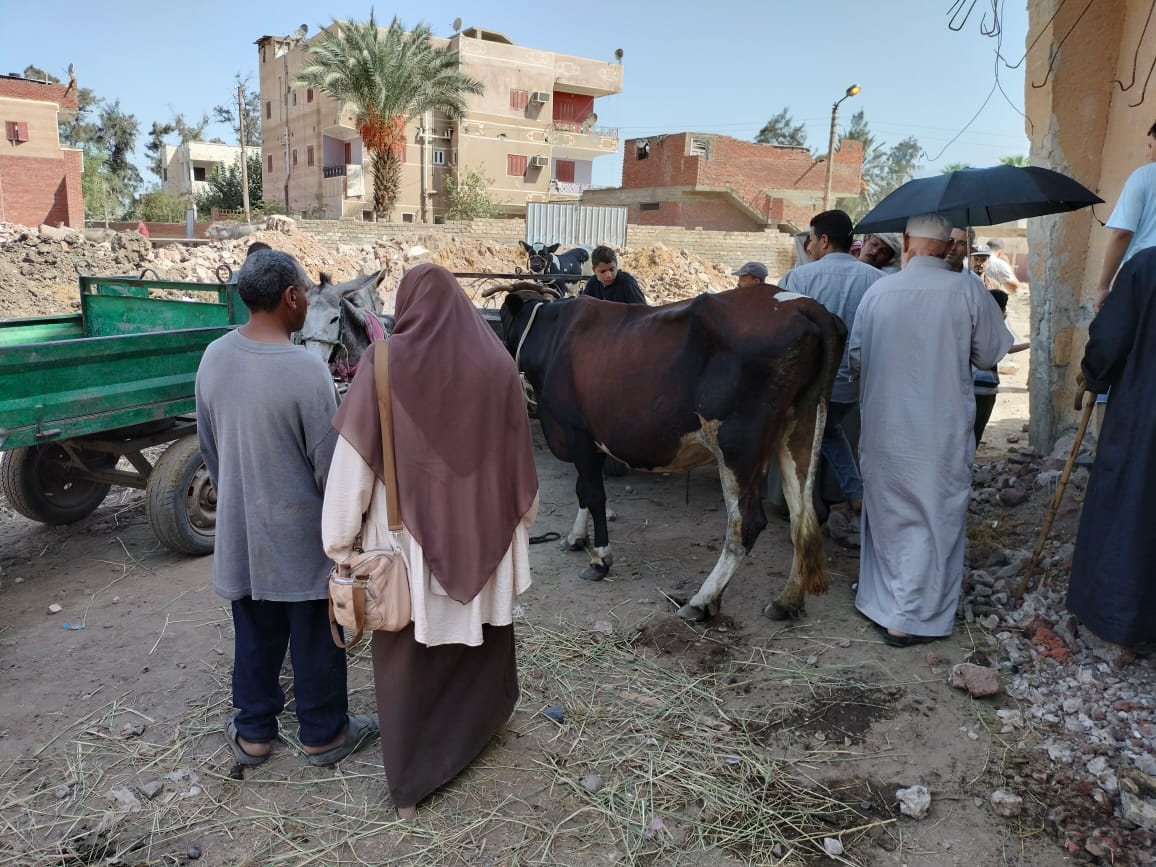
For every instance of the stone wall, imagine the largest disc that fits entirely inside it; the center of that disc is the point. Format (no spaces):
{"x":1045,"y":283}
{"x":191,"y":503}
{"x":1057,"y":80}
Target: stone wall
{"x":731,"y":249}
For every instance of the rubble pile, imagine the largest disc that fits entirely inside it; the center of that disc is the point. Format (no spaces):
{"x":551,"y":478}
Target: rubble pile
{"x":39,"y":266}
{"x":1082,"y":720}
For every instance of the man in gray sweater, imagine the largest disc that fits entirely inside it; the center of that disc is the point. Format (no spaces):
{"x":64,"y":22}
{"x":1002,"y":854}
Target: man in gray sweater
{"x":264,"y":408}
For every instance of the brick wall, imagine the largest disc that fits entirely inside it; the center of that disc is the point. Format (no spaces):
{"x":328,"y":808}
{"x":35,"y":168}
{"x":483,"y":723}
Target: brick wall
{"x":63,"y":95}
{"x":36,"y":190}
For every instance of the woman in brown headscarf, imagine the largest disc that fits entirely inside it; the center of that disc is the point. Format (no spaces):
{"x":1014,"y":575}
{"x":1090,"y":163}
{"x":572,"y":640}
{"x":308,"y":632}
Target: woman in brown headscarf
{"x":469,"y":492}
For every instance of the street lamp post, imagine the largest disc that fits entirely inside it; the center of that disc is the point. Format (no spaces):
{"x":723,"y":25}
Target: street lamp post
{"x":851,"y":91}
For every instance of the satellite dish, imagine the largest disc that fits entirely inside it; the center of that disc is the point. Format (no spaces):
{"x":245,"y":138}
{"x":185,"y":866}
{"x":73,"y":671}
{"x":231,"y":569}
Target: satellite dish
{"x":618,"y":54}
{"x":71,"y":69}
{"x":300,"y":32}
{"x":457,"y":25}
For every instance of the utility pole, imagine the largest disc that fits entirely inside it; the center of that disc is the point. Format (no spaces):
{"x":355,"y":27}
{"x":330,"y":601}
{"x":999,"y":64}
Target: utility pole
{"x":244,"y":152}
{"x":851,"y":91}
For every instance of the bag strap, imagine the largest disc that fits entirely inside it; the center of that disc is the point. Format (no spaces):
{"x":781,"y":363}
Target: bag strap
{"x":385,"y":410}
{"x":335,"y":628}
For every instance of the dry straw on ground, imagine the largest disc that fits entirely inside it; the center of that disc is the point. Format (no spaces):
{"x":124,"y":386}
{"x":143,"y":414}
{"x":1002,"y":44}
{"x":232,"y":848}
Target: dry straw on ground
{"x":678,"y":781}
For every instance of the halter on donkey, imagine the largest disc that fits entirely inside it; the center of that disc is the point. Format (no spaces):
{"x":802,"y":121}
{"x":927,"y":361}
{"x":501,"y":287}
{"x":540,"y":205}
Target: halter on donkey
{"x":343,"y":320}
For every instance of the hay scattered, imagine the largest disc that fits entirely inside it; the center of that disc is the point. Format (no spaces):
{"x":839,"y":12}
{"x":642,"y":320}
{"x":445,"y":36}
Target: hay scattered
{"x":646,"y":767}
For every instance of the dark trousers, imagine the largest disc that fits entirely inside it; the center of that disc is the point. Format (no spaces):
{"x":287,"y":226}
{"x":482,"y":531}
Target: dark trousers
{"x":984,"y":404}
{"x":264,"y":630}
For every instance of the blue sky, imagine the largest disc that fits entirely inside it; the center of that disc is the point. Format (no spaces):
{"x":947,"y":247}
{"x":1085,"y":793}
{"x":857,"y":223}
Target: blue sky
{"x":725,"y":66}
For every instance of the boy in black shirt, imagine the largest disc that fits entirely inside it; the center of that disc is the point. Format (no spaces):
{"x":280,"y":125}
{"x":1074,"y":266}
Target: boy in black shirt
{"x":610,"y":284}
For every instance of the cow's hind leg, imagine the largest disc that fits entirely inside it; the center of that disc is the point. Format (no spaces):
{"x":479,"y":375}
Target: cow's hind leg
{"x":577,"y":538}
{"x":592,"y":498}
{"x":798,"y":465}
{"x":743,"y":516}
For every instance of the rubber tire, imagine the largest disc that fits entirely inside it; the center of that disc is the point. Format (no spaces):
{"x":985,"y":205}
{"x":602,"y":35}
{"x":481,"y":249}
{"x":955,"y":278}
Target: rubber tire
{"x":178,"y":483}
{"x":22,"y":481}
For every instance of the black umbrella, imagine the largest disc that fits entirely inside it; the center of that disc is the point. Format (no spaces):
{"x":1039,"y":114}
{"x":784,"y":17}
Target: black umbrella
{"x":979,"y":197}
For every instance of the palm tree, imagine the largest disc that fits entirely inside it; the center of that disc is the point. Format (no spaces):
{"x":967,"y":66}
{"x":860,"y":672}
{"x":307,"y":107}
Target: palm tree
{"x":386,"y":78}
{"x":955,"y":167}
{"x":1015,"y":160}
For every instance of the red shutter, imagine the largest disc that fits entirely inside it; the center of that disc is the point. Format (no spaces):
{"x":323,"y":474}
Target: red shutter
{"x":516,"y":165}
{"x":309,"y":155}
{"x":572,"y":107}
{"x":519,"y":99}
{"x":16,"y":130}
{"x":309,"y":94}
{"x":270,"y":169}
{"x":268,"y":109}
{"x":564,"y":171}
{"x":294,"y":157}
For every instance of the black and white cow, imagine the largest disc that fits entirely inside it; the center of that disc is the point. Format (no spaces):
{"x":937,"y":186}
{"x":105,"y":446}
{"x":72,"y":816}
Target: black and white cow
{"x":545,"y":259}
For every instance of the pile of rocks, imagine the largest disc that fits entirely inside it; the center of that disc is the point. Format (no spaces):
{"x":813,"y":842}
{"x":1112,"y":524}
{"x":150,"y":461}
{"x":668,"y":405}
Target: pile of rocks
{"x":1084,"y":730}
{"x":39,"y":267}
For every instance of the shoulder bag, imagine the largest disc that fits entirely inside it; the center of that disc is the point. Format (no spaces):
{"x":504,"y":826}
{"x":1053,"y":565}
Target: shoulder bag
{"x":370,"y":591}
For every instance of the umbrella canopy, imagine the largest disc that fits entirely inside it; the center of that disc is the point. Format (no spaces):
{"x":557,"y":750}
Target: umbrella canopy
{"x":980,"y":197}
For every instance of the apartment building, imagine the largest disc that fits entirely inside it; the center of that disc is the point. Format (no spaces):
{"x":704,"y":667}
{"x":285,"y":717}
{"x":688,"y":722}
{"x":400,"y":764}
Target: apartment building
{"x":189,"y":166}
{"x":707,"y":181}
{"x":534,"y":132}
{"x":39,"y":179}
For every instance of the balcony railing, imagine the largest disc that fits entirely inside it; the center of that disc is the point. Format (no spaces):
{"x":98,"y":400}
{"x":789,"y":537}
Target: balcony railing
{"x":568,"y":188}
{"x":584,"y":128}
{"x":333,"y":171}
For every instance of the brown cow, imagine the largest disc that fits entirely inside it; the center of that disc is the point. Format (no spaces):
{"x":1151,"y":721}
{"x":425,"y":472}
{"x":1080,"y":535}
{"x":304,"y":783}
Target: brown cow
{"x":741,"y":378}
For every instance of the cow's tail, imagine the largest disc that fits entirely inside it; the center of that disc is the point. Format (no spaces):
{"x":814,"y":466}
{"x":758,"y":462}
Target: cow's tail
{"x":808,"y":539}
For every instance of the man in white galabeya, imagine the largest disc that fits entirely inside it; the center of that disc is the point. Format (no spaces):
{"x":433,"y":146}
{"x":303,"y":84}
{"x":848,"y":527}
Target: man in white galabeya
{"x":916,"y":334}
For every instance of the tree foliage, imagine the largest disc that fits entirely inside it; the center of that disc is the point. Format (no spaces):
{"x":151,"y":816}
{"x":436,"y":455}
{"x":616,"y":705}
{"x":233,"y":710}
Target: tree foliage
{"x":884,"y":168}
{"x":226,"y":188}
{"x":955,"y":167}
{"x":387,"y":78}
{"x":1014,"y":160}
{"x":782,"y":130}
{"x":226,"y":112}
{"x":469,"y":197}
{"x":157,"y":206}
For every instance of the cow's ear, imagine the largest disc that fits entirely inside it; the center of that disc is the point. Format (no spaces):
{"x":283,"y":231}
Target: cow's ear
{"x":513,"y":304}
{"x":553,"y":248}
{"x":526,"y":247}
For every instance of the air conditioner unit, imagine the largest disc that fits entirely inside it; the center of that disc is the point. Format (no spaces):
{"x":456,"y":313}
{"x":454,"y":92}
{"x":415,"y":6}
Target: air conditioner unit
{"x":539,"y":162}
{"x":539,"y":96}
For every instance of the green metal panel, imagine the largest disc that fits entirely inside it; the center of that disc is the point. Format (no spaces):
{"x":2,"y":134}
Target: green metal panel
{"x":127,"y":358}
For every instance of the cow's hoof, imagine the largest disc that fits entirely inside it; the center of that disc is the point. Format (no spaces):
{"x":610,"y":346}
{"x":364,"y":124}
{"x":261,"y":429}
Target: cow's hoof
{"x":775,"y":611}
{"x":693,"y":613}
{"x":594,"y":572}
{"x":576,"y":545}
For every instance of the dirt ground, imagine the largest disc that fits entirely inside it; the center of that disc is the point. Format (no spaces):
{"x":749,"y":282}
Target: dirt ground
{"x":739,"y":742}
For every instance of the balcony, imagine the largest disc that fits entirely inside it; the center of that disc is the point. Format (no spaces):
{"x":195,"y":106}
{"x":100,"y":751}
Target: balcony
{"x":340,"y":125}
{"x":591,"y":77}
{"x":581,"y":140}
{"x":333,"y":171}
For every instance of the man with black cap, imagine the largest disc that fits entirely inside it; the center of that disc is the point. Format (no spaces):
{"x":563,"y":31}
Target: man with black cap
{"x":915,"y":336}
{"x":752,"y":274}
{"x":837,"y":281}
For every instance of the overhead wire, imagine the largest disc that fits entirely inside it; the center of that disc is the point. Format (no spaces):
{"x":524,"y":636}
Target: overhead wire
{"x":1136,"y":64}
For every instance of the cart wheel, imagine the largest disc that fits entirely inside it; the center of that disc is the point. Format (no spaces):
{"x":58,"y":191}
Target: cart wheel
{"x":40,"y":483}
{"x":180,"y":503}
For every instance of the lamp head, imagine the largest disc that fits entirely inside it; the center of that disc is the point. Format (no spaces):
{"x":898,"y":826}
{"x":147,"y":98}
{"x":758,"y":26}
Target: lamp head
{"x":853,"y":90}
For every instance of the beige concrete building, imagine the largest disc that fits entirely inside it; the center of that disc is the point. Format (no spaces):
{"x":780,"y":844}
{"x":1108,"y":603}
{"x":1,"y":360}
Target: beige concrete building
{"x":188,"y":166}
{"x":1090,"y":105}
{"x":534,"y":132}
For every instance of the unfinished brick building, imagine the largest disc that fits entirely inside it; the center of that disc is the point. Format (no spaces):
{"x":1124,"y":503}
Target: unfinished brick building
{"x":704,"y":181}
{"x":39,"y":179}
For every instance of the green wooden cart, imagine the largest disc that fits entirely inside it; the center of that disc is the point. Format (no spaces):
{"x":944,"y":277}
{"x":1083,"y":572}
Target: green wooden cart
{"x":81,"y":391}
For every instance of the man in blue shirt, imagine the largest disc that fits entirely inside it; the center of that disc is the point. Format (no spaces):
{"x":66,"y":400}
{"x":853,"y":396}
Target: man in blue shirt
{"x":1133,"y":222}
{"x":838,"y":281}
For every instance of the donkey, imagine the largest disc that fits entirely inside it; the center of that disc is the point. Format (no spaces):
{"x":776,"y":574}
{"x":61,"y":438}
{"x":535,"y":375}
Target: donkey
{"x":343,"y":320}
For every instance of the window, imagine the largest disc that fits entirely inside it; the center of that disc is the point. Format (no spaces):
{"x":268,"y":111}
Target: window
{"x":700,"y":147}
{"x":164,"y":174}
{"x":516,"y":165}
{"x":309,"y":94}
{"x":519,"y":99}
{"x":439,"y":158}
{"x":293,"y":97}
{"x":198,"y":173}
{"x":309,"y":155}
{"x":564,"y":171}
{"x":399,"y":151}
{"x":16,"y":130}
{"x":407,"y":217}
{"x":268,"y":109}
{"x":294,"y":157}
{"x":648,"y":206}
{"x":269,"y":168}
{"x":642,"y":151}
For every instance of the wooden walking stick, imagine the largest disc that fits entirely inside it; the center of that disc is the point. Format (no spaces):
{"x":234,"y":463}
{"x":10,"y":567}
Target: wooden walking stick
{"x":1034,"y":560}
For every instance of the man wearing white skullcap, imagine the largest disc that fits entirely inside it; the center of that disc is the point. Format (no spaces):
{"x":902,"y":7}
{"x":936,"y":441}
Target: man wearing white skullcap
{"x":915,"y":336}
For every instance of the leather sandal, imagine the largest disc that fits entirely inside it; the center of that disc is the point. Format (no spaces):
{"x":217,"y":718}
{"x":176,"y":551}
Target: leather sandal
{"x":244,"y":758}
{"x":359,"y":729}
